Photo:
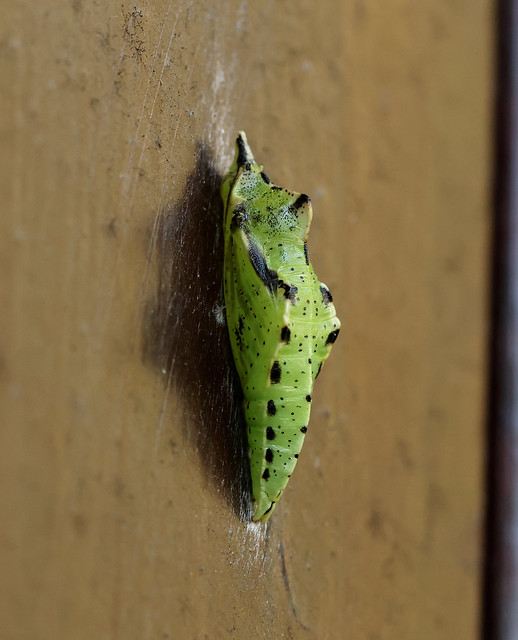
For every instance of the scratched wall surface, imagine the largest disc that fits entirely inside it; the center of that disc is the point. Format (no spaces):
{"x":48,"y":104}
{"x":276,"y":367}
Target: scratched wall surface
{"x":123,"y":469}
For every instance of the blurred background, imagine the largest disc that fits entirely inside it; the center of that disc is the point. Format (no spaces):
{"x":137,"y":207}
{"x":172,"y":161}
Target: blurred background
{"x":123,"y":472}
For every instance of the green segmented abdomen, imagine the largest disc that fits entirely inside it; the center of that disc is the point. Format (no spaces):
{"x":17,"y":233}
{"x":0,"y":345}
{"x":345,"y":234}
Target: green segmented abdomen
{"x":277,"y":424}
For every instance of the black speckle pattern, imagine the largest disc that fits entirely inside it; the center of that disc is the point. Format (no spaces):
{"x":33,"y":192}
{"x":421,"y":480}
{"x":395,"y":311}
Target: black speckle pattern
{"x":271,"y":409}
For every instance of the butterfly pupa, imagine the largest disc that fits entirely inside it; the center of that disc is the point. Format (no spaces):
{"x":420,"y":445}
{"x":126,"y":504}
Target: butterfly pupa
{"x":281,"y":320}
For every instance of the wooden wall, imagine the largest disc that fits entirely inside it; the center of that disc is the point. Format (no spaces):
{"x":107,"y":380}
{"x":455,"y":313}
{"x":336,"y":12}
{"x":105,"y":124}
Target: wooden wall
{"x":122,"y":468}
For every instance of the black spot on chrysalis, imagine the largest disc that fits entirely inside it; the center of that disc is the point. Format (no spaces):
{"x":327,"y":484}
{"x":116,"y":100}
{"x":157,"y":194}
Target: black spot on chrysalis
{"x":266,"y":474}
{"x":290,"y":291}
{"x":270,"y":433}
{"x":319,"y":370}
{"x":301,"y":201}
{"x":267,"y":275}
{"x":238,"y":216}
{"x":285,"y":334}
{"x":326,"y":295}
{"x":306,"y":256}
{"x":271,"y":408}
{"x":308,"y":398}
{"x":332,"y":336}
{"x":275,"y":373}
{"x":269,"y":455}
{"x":265,"y":177}
{"x":303,"y":429}
{"x":241,"y":153}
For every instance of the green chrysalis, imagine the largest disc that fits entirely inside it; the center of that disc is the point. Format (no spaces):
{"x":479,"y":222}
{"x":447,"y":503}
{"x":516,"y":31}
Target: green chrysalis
{"x":281,"y":319}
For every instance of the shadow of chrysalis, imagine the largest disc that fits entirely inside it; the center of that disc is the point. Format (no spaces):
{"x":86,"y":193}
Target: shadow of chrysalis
{"x":185,"y":333}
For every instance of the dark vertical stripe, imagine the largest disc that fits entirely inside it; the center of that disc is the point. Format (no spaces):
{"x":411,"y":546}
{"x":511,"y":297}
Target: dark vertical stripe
{"x":501,"y":567}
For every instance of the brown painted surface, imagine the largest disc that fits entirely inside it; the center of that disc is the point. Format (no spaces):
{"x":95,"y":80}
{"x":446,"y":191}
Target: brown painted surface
{"x":122,"y":472}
